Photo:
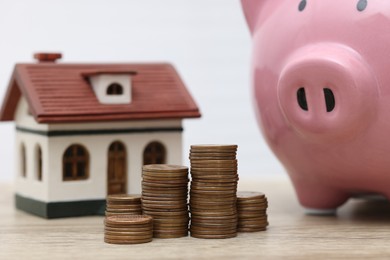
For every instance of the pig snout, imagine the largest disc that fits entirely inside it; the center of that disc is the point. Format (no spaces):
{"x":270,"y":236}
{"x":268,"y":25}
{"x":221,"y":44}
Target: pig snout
{"x":327,"y":92}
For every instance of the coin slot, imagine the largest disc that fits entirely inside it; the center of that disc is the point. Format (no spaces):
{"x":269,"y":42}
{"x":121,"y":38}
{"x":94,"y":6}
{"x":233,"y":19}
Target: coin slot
{"x":329,"y":100}
{"x":301,"y":97}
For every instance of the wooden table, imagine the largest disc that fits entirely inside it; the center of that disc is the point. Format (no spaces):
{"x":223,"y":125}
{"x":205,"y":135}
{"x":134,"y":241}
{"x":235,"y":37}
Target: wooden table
{"x":360,"y":230}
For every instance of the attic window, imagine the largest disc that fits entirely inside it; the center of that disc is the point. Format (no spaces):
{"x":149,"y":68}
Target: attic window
{"x":115,"y":89}
{"x":111,"y":88}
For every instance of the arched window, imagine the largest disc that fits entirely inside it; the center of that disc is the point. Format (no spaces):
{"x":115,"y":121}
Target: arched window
{"x":38,"y":161}
{"x":154,"y":153}
{"x":23,"y":159}
{"x":117,"y":168}
{"x":75,"y":163}
{"x":114,"y":89}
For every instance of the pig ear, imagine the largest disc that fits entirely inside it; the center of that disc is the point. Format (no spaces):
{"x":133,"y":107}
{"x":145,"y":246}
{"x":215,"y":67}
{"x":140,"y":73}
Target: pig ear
{"x":251,"y":10}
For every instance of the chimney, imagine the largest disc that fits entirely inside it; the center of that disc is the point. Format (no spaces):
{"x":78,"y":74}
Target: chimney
{"x":42,"y":57}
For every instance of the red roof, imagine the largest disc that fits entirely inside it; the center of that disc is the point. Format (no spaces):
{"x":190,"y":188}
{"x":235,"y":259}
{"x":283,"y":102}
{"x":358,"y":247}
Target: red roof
{"x":58,"y":93}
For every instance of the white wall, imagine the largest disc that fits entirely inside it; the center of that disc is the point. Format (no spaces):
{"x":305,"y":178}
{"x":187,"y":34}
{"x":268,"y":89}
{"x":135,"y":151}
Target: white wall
{"x":52,"y":188}
{"x":29,"y":185}
{"x":207,"y":41}
{"x":95,"y":187}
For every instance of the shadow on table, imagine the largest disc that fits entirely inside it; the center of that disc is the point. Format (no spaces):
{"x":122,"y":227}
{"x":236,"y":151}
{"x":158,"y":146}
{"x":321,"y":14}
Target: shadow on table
{"x":370,"y":210}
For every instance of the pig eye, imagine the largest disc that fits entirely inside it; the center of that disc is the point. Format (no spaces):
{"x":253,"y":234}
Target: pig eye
{"x":302,"y":5}
{"x":361,"y":5}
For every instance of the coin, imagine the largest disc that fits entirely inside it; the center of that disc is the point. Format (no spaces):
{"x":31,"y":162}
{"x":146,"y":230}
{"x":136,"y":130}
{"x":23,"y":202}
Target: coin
{"x":128,"y":235}
{"x":170,"y":235}
{"x":164,"y":168}
{"x":129,"y":219}
{"x":217,"y":147}
{"x":243,"y":229}
{"x":124,"y":198}
{"x":129,"y":229}
{"x":249,"y":195}
{"x":211,"y":236}
{"x":127,"y":241}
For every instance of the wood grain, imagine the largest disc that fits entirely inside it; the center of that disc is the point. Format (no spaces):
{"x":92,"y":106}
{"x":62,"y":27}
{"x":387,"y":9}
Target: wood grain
{"x":359,"y":231}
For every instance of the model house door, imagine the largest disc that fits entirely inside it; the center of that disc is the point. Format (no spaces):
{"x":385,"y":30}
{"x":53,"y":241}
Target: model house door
{"x":117,"y":169}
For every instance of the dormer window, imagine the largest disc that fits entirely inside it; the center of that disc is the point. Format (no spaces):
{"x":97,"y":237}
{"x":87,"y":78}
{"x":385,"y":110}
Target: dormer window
{"x":115,"y":89}
{"x":111,"y":87}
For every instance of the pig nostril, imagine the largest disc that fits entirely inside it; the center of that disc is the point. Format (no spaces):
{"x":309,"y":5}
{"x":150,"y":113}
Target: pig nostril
{"x":301,"y":96}
{"x":329,"y":100}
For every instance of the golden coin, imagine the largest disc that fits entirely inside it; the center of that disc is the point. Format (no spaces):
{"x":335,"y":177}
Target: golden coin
{"x":129,"y":220}
{"x":163,"y":192}
{"x":123,"y":210}
{"x":164,"y":177}
{"x":251,"y":229}
{"x":181,"y":199}
{"x":135,"y":236}
{"x":177,"y":235}
{"x":211,"y":236}
{"x":173,"y":180}
{"x":163,"y":204}
{"x":127,"y":242}
{"x":214,"y":221}
{"x":214,"y":193}
{"x":215,"y":162}
{"x":216,"y":180}
{"x":130,"y":212}
{"x":212,"y":214}
{"x":164,"y":168}
{"x":211,"y":167}
{"x":158,"y":226}
{"x":175,"y":201}
{"x":167,"y":212}
{"x":253,"y":223}
{"x":253,"y":212}
{"x":212,"y":154}
{"x":194,"y":158}
{"x":164,"y":185}
{"x":156,"y":193}
{"x":245,"y":195}
{"x":204,"y":226}
{"x":228,"y":230}
{"x":119,"y":205}
{"x":112,"y":213}
{"x":217,"y":147}
{"x":155,"y":210}
{"x":212,"y":205}
{"x":254,"y":203}
{"x":205,"y":171}
{"x":208,"y":184}
{"x":253,"y":219}
{"x":129,"y":233}
{"x":124,"y":198}
{"x":211,"y":189}
{"x":129,"y":229}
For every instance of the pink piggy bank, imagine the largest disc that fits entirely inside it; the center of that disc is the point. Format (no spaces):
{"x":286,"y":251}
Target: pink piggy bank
{"x":321,"y":75}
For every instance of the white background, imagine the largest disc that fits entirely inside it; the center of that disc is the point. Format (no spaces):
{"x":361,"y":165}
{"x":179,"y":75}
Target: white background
{"x":207,"y":41}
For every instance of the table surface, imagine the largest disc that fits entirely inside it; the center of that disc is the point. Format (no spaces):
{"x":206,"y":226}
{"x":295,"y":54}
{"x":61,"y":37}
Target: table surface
{"x":360,"y":230}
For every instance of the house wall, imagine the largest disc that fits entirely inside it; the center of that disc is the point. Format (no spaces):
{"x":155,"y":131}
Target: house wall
{"x":95,"y":187}
{"x":52,"y":188}
{"x":30,"y":186}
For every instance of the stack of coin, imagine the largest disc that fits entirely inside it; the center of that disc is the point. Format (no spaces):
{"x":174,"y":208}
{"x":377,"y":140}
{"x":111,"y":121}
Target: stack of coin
{"x":123,"y":204}
{"x":128,"y":229}
{"x":213,"y":191}
{"x":164,"y":197}
{"x":252,"y":211}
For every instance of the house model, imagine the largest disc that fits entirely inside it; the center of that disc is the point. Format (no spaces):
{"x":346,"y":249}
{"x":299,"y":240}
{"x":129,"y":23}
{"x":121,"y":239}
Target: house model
{"x":85,"y":130}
